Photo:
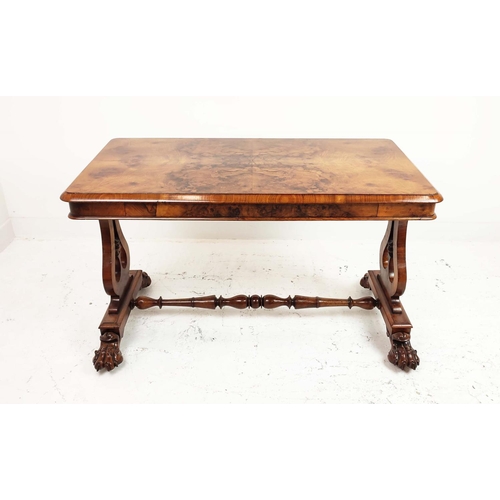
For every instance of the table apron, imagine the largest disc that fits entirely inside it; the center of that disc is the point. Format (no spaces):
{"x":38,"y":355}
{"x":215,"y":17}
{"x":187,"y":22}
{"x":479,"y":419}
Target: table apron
{"x":252,"y":211}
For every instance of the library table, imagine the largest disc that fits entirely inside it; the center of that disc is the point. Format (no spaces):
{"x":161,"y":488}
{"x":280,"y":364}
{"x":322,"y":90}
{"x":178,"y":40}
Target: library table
{"x":252,"y":179}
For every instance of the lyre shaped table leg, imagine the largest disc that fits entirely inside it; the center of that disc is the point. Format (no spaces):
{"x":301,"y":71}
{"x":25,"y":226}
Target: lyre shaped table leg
{"x":122,"y":285}
{"x":387,"y":285}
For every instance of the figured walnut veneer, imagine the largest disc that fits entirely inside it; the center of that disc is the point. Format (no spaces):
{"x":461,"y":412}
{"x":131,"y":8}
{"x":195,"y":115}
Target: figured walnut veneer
{"x":251,"y":179}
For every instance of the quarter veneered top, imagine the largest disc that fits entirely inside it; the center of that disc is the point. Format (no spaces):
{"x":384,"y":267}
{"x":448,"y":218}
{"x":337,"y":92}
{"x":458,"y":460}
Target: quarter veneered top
{"x":252,"y":171}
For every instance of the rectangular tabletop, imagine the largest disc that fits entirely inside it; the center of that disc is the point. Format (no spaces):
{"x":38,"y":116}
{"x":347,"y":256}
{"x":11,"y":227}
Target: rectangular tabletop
{"x":251,"y":179}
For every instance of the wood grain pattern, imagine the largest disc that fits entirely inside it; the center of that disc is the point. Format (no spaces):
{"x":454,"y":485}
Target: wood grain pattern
{"x":242,"y":171}
{"x":261,"y":211}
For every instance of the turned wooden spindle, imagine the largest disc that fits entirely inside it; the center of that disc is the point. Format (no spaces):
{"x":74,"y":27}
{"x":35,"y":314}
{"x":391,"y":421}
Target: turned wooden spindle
{"x":255,"y":302}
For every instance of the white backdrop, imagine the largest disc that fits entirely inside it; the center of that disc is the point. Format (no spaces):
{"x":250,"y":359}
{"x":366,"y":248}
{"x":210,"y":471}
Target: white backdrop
{"x":6,"y":231}
{"x":46,"y":141}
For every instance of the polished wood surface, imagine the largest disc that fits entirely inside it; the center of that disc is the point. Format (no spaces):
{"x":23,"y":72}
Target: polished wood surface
{"x":256,"y":302}
{"x":242,"y":178}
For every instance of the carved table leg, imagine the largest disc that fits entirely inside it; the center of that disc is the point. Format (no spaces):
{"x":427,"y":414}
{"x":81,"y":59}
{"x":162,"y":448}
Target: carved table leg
{"x":387,"y":285}
{"x":122,"y":285}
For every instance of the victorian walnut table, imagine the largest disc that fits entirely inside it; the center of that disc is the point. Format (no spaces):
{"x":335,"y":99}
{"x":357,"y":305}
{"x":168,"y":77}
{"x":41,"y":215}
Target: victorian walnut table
{"x":252,"y":179}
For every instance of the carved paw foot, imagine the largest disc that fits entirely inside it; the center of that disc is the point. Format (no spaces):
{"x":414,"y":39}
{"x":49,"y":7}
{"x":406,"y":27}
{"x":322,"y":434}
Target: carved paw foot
{"x":146,"y":280}
{"x":108,"y":355}
{"x":364,"y":281}
{"x":402,"y":353}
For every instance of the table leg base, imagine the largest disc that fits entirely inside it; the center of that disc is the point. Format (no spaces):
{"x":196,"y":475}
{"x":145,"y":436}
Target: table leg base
{"x":398,"y":324}
{"x":112,"y":326}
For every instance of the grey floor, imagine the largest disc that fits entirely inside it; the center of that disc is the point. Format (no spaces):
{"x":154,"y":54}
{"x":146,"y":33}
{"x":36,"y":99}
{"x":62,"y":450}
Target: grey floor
{"x":51,"y":303}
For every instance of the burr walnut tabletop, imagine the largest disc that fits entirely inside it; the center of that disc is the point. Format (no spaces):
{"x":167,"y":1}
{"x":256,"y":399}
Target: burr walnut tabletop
{"x":252,"y":179}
